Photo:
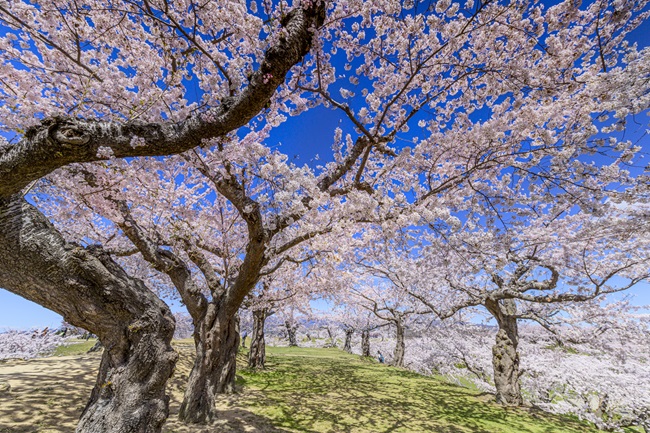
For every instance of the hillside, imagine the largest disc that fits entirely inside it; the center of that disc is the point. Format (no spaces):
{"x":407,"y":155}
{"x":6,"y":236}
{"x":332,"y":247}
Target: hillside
{"x":302,"y":390}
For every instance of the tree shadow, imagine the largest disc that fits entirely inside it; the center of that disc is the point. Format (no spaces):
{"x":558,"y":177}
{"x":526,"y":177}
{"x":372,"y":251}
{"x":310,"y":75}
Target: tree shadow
{"x":46,"y":394}
{"x":349,"y":395}
{"x":309,"y":391}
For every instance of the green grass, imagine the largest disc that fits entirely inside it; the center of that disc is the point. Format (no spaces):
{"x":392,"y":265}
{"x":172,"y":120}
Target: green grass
{"x":75,"y":347}
{"x":330,"y":391}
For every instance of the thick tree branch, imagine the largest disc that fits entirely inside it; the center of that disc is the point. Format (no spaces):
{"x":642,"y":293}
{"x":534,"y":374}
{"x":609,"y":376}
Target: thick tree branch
{"x":59,"y":141}
{"x":167,"y":262}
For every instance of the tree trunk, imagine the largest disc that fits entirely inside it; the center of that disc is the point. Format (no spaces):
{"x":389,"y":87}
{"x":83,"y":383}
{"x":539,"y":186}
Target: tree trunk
{"x":93,"y":292}
{"x":291,"y":334}
{"x":505,"y":358}
{"x":332,"y":338}
{"x":365,"y":343}
{"x":257,"y":353}
{"x":216,"y":339}
{"x":97,"y":347}
{"x":348,"y":340}
{"x":400,"y":347}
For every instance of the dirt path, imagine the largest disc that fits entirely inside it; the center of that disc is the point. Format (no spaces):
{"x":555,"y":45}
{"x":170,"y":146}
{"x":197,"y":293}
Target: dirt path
{"x":48,"y":395}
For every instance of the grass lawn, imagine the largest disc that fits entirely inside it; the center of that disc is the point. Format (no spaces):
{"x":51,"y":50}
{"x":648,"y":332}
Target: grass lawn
{"x":75,"y":346}
{"x":327,"y":390}
{"x":302,"y":390}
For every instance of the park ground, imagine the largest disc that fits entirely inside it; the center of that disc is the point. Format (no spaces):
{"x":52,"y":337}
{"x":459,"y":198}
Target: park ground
{"x":302,"y":390}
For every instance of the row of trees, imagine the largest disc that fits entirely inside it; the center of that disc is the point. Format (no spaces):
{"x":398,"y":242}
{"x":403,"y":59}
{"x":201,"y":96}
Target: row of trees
{"x":140,"y":147}
{"x":600,"y":379}
{"x":611,"y":338}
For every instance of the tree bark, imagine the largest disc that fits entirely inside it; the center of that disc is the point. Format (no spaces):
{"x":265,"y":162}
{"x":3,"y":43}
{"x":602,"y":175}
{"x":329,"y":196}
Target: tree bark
{"x":400,"y":347}
{"x":60,"y":141}
{"x":257,"y":353}
{"x":505,"y":358}
{"x":97,"y":347}
{"x":92,"y":292}
{"x":217,"y":340}
{"x":365,"y":343}
{"x":291,"y":333}
{"x":348,"y":340}
{"x":331,"y":336}
{"x":85,"y":285}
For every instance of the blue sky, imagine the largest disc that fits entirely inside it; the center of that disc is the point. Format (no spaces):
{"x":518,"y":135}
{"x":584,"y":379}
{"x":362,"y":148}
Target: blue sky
{"x":302,"y":140}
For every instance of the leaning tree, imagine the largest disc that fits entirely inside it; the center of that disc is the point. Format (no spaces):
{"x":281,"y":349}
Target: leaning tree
{"x":82,"y":81}
{"x":512,"y":87}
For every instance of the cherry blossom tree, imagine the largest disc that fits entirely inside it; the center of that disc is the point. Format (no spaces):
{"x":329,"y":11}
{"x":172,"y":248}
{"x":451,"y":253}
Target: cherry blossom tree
{"x":610,"y":338}
{"x":285,"y":286}
{"x":29,"y":344}
{"x":205,"y":246}
{"x":97,"y":80}
{"x":354,"y":318}
{"x":518,"y":91}
{"x":392,"y":306}
{"x":184,"y":326}
{"x":530,"y":271}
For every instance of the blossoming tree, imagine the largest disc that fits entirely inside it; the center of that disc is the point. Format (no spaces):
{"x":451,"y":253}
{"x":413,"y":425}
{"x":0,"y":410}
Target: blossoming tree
{"x":82,"y":81}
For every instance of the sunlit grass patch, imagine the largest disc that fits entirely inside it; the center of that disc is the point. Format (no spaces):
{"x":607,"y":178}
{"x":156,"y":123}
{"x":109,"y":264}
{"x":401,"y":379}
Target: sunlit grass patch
{"x":75,"y":347}
{"x":328,"y":390}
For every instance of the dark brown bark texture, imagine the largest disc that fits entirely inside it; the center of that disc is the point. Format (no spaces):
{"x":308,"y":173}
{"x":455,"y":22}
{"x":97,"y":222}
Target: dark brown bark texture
{"x":91,"y":291}
{"x":216,"y":328}
{"x":291,"y":333}
{"x":347,"y":346}
{"x":59,"y":141}
{"x":216,"y":341}
{"x":400,"y":346}
{"x":505,"y":357}
{"x":257,"y":353}
{"x":365,"y":342}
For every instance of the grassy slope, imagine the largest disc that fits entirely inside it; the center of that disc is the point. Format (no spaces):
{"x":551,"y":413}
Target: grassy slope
{"x":326,"y":390}
{"x":302,"y":390}
{"x":75,"y":346}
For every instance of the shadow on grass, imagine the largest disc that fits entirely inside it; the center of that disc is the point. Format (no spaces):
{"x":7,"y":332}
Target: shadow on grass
{"x":304,"y":390}
{"x":331,"y":394}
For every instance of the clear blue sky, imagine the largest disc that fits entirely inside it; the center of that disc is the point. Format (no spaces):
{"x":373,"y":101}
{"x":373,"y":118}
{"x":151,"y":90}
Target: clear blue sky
{"x":312,"y":137}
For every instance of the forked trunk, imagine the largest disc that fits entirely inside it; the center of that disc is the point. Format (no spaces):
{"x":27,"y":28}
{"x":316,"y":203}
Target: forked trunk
{"x":400,"y":347}
{"x":257,"y":353}
{"x":505,"y":358}
{"x":365,"y":343}
{"x":348,"y":340}
{"x":291,"y":334}
{"x":91,"y":291}
{"x":216,"y":339}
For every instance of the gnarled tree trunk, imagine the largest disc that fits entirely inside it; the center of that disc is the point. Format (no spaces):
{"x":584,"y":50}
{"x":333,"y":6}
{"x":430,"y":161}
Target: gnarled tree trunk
{"x":291,"y":333}
{"x":348,"y":340}
{"x":365,"y":342}
{"x":217,"y":339}
{"x":257,"y":353}
{"x":400,"y":346}
{"x":93,"y":292}
{"x":505,"y":358}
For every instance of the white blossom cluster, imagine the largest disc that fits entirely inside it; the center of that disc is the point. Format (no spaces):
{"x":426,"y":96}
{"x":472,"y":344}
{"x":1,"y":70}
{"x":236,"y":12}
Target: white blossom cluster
{"x":28,"y":344}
